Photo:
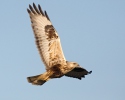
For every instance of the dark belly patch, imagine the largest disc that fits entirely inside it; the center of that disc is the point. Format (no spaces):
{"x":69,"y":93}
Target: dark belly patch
{"x":57,"y":72}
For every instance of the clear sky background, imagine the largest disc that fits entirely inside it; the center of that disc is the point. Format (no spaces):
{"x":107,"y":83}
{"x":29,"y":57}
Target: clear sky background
{"x":92,"y":33}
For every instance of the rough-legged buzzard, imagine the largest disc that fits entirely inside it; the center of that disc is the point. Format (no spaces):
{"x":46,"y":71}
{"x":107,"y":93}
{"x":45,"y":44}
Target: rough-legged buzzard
{"x":49,"y":47}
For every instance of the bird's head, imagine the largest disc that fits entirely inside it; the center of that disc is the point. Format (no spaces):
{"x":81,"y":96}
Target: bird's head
{"x":72,"y":64}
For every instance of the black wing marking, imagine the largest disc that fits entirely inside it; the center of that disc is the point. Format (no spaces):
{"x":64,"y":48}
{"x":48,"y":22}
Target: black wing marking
{"x":38,"y":10}
{"x":78,"y":72}
{"x":47,"y":16}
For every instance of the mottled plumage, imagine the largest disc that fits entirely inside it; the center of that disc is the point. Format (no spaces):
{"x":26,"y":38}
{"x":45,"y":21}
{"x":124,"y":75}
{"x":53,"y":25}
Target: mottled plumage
{"x":50,"y":50}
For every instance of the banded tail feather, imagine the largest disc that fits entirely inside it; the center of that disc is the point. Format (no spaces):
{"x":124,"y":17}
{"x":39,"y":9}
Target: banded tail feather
{"x":35,"y":80}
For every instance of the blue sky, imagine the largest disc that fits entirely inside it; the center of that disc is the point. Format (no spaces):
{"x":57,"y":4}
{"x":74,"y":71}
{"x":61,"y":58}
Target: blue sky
{"x":92,"y":33}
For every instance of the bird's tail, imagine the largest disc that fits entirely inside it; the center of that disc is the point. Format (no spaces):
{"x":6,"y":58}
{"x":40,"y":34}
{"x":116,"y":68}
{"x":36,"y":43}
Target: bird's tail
{"x":40,"y":79}
{"x":35,"y":80}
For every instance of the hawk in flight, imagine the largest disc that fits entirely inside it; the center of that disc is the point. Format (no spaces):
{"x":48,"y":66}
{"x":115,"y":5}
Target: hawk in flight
{"x":50,"y":50}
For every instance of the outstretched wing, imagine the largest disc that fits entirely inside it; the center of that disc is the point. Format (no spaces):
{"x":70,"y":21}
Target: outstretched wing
{"x":47,"y":39}
{"x":78,"y":72}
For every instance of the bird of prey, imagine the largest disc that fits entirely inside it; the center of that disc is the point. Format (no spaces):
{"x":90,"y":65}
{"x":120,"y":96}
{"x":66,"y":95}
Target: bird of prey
{"x":50,"y":50}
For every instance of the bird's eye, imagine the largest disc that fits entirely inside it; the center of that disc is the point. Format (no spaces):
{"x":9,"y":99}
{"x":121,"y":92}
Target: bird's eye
{"x":74,"y":63}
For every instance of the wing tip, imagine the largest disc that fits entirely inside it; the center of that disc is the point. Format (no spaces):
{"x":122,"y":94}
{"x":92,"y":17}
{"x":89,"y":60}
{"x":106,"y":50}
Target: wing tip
{"x":90,"y":72}
{"x":37,"y":10}
{"x":28,"y":10}
{"x":40,"y":9}
{"x":47,"y":15}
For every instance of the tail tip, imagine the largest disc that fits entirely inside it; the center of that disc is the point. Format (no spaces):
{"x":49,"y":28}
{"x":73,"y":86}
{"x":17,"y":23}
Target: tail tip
{"x":29,"y":80}
{"x":35,"y":81}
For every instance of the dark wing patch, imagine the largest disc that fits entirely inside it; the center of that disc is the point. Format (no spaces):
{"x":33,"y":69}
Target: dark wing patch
{"x":78,"y":72}
{"x":50,"y":32}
